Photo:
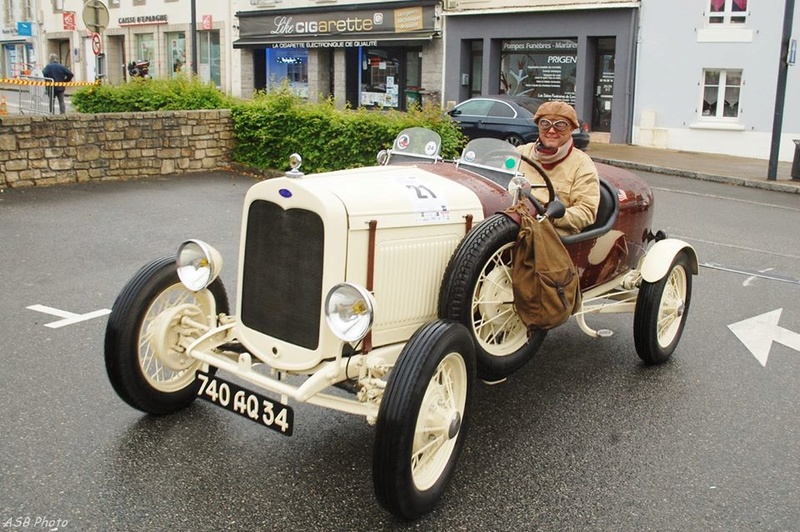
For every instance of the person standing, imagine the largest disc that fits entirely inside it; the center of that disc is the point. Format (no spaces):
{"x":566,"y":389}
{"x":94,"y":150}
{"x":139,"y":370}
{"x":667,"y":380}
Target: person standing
{"x":572,"y":172}
{"x":58,"y":73}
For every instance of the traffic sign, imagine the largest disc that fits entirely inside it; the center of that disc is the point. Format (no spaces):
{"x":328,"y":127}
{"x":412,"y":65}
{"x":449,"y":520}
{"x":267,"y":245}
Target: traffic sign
{"x":96,"y":44}
{"x":95,"y":15}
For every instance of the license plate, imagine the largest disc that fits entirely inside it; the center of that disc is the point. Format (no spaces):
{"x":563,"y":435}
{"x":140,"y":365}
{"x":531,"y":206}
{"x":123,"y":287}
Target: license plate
{"x":250,"y":405}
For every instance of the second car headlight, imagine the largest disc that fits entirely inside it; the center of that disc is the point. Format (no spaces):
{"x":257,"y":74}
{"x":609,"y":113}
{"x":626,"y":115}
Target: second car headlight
{"x":349,"y":310}
{"x":198,"y":264}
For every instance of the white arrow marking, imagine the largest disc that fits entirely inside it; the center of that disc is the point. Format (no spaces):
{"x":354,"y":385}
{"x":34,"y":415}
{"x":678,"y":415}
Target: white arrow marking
{"x":69,"y":317}
{"x":758,"y":333}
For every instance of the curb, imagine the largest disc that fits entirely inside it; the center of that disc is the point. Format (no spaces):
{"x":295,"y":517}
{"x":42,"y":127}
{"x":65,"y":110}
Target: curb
{"x":740,"y":181}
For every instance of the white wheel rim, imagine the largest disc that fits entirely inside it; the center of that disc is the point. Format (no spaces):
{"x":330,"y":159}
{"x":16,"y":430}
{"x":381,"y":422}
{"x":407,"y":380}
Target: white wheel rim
{"x":439,"y":421}
{"x":672,"y":306}
{"x":495,"y":321}
{"x":152,"y":345}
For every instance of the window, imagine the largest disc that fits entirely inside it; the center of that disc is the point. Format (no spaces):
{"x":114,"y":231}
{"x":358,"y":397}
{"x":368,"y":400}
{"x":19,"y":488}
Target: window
{"x":145,"y":46}
{"x":27,"y":10}
{"x":721,"y":90}
{"x":727,"y":12}
{"x":8,"y":19}
{"x":539,"y":68}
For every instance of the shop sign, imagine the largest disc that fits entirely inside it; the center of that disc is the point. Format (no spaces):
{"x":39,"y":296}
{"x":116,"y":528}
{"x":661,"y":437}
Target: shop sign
{"x":142,"y":20}
{"x":68,"y":18}
{"x":330,"y":26}
{"x":24,"y":29}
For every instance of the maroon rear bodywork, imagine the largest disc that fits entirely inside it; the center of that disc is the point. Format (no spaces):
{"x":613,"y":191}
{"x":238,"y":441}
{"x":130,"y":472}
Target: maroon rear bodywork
{"x":598,"y":259}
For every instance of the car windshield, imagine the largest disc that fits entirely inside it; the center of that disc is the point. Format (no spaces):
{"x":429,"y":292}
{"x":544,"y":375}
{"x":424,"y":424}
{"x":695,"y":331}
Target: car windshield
{"x":491,"y":155}
{"x":416,"y":143}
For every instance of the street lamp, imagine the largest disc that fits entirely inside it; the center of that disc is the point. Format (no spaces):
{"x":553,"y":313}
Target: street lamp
{"x":783,"y":68}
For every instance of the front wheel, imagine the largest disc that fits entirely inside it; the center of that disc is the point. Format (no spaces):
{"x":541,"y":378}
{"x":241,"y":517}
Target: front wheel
{"x":661,"y":311}
{"x":153,"y":320}
{"x":423,"y":418}
{"x":477,"y":291}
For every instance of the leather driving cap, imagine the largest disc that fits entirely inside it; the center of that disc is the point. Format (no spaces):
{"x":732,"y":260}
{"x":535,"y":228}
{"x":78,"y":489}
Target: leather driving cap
{"x":564,"y":110}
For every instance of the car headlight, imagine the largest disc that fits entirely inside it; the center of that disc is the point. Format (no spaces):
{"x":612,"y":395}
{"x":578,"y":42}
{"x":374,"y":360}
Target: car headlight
{"x":198,"y":264}
{"x":349,"y":310}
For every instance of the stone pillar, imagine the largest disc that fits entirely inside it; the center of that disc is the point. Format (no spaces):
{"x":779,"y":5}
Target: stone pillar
{"x":339,"y":78}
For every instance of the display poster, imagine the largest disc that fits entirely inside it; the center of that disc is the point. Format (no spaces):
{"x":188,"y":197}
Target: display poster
{"x":540,"y":68}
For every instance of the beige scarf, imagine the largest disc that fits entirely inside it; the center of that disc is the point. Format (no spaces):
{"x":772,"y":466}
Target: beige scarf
{"x":550,"y":157}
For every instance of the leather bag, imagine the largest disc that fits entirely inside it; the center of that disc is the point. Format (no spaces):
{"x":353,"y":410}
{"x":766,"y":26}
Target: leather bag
{"x":544,"y":279}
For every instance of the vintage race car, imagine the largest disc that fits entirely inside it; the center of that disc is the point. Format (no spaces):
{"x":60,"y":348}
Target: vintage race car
{"x":392,"y":283}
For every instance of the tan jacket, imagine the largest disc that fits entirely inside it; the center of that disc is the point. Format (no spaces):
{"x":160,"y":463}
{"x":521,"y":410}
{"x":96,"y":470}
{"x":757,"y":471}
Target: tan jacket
{"x":576,"y":182}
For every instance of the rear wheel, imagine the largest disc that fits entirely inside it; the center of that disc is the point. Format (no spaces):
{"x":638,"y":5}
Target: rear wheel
{"x":477,"y":292}
{"x":661,"y":310}
{"x":153,"y":320}
{"x":423,"y":418}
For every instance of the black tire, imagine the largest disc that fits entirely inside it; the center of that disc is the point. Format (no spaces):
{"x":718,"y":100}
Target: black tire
{"x":515,"y":140}
{"x":423,"y":418}
{"x":135,"y":364}
{"x":661,"y":311}
{"x":476,"y":292}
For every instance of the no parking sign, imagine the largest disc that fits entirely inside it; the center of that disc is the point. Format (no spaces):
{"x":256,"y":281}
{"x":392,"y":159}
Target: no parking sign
{"x":96,"y":43}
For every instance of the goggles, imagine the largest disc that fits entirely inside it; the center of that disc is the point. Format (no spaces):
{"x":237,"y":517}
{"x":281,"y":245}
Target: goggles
{"x":559,"y":125}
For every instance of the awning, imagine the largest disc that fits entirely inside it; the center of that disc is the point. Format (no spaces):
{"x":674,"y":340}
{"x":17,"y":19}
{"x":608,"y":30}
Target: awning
{"x":335,"y":41}
{"x":16,"y":40}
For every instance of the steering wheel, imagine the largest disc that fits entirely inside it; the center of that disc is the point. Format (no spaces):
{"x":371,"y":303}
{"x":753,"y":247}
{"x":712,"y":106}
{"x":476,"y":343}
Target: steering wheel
{"x":555,"y":209}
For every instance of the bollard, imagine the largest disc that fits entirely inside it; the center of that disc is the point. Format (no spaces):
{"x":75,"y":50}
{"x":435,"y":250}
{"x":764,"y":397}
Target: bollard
{"x":796,"y":163}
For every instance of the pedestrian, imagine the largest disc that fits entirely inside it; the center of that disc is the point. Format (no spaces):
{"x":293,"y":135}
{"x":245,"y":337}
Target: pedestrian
{"x":58,"y":73}
{"x":572,"y":172}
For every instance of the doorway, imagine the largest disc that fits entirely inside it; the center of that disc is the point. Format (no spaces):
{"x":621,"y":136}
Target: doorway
{"x":605,"y":60}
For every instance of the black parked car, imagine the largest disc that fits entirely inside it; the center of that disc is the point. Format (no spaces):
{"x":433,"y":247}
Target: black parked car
{"x":506,"y":117}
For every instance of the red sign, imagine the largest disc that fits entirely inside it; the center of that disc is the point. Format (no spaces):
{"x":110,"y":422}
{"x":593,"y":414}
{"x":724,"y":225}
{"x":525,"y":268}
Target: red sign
{"x":69,"y":20}
{"x":96,"y":44}
{"x":207,"y":22}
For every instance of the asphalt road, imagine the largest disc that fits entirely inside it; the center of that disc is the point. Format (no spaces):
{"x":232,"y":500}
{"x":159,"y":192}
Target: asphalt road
{"x":584,"y":438}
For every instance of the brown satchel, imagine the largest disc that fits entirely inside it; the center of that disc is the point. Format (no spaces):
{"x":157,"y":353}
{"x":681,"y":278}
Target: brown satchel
{"x":545,"y":282}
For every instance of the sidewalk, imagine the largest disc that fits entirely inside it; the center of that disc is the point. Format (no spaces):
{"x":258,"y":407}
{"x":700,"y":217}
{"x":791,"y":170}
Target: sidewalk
{"x":710,"y":167}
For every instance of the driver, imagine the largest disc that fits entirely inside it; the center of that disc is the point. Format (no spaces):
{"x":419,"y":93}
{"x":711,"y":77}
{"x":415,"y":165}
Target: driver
{"x":572,"y":172}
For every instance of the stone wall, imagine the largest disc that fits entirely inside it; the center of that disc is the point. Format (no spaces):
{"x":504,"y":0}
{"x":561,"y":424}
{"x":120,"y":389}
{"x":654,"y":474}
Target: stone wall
{"x":45,"y":150}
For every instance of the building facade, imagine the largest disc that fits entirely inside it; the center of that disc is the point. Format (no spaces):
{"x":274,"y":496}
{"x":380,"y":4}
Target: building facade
{"x":579,"y":52}
{"x":362,"y":54}
{"x":127,"y":31}
{"x":707,"y":77}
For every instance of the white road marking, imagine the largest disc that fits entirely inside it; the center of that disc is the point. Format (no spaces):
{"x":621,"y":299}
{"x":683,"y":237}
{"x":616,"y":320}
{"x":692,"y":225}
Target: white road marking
{"x":69,"y":317}
{"x":727,"y":198}
{"x":758,"y":333}
{"x":754,"y":277}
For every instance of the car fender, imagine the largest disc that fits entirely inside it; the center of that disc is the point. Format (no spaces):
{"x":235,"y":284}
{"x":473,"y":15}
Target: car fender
{"x":658,"y":259}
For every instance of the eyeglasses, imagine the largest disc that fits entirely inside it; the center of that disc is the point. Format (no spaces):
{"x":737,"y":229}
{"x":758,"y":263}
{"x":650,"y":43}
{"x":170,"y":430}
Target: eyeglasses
{"x":559,"y":125}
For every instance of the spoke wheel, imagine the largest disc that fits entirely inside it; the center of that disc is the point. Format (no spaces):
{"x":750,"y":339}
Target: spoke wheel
{"x":152,"y":322}
{"x":422,"y":419}
{"x":661,"y":311}
{"x":477,"y":292}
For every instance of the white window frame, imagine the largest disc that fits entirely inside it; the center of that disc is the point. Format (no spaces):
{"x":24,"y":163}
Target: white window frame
{"x":722,"y":87}
{"x":727,"y":15}
{"x":8,"y":19}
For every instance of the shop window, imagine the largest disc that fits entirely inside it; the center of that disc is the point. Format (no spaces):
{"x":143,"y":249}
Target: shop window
{"x":288,"y":66}
{"x":176,"y":51}
{"x":209,"y":68}
{"x":727,"y":12}
{"x":721,"y":92}
{"x":379,"y":78}
{"x":145,"y":45}
{"x":540,"y":68}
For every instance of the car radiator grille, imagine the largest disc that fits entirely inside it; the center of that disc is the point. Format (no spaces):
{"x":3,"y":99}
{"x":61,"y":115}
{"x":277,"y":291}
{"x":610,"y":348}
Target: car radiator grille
{"x":282,"y":274}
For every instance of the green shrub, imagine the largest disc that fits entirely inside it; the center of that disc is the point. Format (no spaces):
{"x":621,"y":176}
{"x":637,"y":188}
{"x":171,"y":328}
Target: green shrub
{"x":273,"y":125}
{"x":141,"y":95}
